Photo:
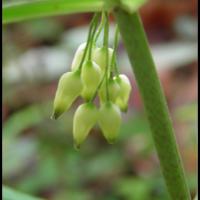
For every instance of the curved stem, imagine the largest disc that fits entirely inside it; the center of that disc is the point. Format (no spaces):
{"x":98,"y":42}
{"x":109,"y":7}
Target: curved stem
{"x":92,"y":23}
{"x":100,"y":27}
{"x":155,"y":105}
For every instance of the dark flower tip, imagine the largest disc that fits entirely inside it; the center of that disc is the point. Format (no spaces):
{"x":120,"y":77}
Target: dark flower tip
{"x":77,"y":146}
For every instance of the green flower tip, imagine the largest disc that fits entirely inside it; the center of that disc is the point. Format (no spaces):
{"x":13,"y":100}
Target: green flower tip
{"x":56,"y":115}
{"x":124,"y":109}
{"x":77,"y":146}
{"x":112,"y":141}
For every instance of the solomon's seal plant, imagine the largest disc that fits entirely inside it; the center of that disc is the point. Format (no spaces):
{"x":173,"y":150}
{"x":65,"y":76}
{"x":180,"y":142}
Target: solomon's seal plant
{"x":112,"y":88}
{"x":94,"y":72}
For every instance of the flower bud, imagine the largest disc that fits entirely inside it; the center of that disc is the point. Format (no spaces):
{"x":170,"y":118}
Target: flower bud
{"x":91,"y":76}
{"x":85,"y":118}
{"x":99,"y":56}
{"x":109,"y":121}
{"x":69,"y":88}
{"x":87,"y":93}
{"x":124,"y":91}
{"x":113,"y":89}
{"x":78,"y":56}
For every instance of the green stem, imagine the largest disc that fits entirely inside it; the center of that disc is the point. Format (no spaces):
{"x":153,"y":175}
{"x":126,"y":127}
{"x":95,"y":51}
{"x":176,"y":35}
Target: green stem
{"x":106,"y":30}
{"x":105,"y":45}
{"x":113,"y":59}
{"x":91,"y":39}
{"x":100,"y":27}
{"x":92,"y":23}
{"x":135,"y":41}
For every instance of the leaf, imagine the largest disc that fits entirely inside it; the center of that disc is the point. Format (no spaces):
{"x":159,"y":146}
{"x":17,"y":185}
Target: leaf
{"x":15,"y":12}
{"x":132,"y":5}
{"x":139,"y":188}
{"x":10,"y":194}
{"x":134,"y":188}
{"x":46,"y":175}
{"x":17,"y":154}
{"x":23,"y":119}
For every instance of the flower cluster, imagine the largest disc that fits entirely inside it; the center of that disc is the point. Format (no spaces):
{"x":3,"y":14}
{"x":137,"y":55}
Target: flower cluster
{"x":93,"y":74}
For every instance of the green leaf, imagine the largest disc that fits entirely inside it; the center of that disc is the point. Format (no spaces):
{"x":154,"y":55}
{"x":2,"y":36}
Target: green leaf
{"x":14,"y":12}
{"x":132,"y":5}
{"x":136,"y":188}
{"x":23,"y":119}
{"x":10,"y":194}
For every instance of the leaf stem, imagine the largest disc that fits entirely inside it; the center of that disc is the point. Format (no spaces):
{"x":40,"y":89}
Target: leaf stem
{"x":135,"y":41}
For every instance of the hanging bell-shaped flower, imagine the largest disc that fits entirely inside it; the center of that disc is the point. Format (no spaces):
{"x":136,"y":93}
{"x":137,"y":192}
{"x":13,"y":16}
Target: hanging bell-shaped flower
{"x":85,"y":118}
{"x":69,"y":88}
{"x":113,"y":89}
{"x":124,"y":91}
{"x":78,"y":56}
{"x":110,"y":121}
{"x":91,"y":76}
{"x":99,"y":56}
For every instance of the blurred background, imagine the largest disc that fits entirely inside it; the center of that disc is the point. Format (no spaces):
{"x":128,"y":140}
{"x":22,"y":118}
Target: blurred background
{"x":38,"y":154}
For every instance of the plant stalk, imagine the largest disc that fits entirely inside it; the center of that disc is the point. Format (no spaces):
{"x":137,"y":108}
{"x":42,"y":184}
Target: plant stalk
{"x":113,"y":58}
{"x":105,"y":45}
{"x":92,"y":24}
{"x":143,"y":66}
{"x":100,"y":27}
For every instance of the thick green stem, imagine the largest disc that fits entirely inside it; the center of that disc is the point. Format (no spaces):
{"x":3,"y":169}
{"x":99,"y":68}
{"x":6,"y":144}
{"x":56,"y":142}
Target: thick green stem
{"x":155,"y":105}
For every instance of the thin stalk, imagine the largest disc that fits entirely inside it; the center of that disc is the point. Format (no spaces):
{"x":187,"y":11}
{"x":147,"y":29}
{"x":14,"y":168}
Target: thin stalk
{"x":116,"y":41}
{"x":91,"y":41}
{"x":104,"y":20}
{"x":100,"y":27}
{"x":135,"y":41}
{"x":92,"y":23}
{"x":105,"y":45}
